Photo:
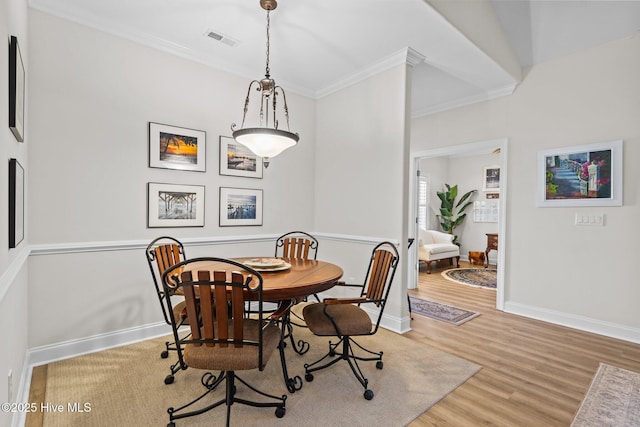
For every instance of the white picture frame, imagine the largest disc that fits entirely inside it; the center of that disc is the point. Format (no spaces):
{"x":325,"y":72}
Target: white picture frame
{"x":581,"y":175}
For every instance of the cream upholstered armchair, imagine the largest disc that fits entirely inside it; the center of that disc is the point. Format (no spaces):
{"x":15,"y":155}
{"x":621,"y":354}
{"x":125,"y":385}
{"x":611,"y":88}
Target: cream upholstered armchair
{"x":435,"y":245}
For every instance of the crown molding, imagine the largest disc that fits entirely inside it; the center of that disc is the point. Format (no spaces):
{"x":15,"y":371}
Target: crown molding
{"x":474,"y":99}
{"x":406,"y":55}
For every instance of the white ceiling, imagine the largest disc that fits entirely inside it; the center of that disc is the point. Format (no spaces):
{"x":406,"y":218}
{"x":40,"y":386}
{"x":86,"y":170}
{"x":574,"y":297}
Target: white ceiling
{"x":319,"y":46}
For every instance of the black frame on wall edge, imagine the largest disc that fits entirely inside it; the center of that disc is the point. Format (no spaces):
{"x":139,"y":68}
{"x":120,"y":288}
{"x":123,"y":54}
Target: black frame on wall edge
{"x":16,"y":203}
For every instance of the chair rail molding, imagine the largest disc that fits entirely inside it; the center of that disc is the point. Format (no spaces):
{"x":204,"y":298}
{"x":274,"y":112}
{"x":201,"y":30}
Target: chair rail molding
{"x":128,"y":245}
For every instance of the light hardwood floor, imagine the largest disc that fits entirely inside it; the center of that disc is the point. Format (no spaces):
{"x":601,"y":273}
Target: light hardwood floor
{"x":533,"y":373}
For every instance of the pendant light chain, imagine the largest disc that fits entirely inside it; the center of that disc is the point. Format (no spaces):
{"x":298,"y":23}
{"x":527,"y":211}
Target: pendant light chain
{"x":266,"y":140}
{"x":268,"y":26}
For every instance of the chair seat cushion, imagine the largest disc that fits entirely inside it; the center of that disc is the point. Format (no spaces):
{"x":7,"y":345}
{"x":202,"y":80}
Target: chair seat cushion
{"x":438,"y":248}
{"x":351,"y":319}
{"x":180,"y":313}
{"x":231,"y":358}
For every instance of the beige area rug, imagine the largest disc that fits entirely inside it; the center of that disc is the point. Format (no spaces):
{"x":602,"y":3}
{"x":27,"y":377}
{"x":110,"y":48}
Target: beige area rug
{"x":125,"y":387}
{"x":446,"y":313}
{"x":613,"y":399}
{"x":478,"y":277}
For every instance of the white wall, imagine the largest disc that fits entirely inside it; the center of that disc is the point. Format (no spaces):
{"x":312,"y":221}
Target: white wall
{"x":362,"y":168}
{"x":92,"y":97}
{"x":579,"y":276}
{"x":13,"y":262}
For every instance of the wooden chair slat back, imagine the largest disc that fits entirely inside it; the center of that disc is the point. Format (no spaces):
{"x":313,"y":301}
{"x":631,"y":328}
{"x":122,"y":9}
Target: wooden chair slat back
{"x":219,"y":304}
{"x":166,"y":256}
{"x":379,"y":274}
{"x":191,"y":303}
{"x":220,"y":300}
{"x":237,"y":307}
{"x":206,"y":310}
{"x":296,"y":246}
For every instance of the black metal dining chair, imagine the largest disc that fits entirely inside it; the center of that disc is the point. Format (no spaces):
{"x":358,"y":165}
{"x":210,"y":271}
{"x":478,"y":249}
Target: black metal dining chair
{"x":227,"y":338}
{"x":345,"y":319}
{"x":161,"y":254}
{"x":296,"y":245}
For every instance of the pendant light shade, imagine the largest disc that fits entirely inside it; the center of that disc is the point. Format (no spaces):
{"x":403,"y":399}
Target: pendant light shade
{"x":266,"y":140}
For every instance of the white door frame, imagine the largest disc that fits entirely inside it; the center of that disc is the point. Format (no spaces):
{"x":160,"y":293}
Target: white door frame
{"x":412,"y":266}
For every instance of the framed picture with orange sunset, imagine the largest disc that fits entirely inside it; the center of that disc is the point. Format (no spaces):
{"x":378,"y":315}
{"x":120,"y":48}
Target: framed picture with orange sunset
{"x":173,"y":147}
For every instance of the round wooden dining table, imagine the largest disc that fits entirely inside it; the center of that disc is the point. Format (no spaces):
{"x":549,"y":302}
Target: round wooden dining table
{"x":303,"y":278}
{"x":297,"y":280}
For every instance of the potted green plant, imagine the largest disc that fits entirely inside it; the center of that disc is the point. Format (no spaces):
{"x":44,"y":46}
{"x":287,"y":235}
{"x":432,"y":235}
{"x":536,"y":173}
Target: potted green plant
{"x":451,"y":213}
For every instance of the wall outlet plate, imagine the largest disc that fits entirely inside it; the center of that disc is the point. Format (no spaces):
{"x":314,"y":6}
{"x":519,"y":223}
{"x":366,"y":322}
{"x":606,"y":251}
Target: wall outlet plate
{"x":10,"y":386}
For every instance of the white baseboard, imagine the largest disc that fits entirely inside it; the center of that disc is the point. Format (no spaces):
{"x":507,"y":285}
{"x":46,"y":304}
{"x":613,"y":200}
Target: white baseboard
{"x":64,"y":350}
{"x":46,"y":354}
{"x":399,"y":325}
{"x":599,"y":327}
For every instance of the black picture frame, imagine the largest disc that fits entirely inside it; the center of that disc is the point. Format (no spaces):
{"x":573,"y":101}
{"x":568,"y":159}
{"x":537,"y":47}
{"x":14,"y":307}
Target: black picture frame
{"x":16,"y":203}
{"x":178,"y":148}
{"x":16,"y":90}
{"x":240,"y":207}
{"x":175,"y":205}
{"x":238,"y":160}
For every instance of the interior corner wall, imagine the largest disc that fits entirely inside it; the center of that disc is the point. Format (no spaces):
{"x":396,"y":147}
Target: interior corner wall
{"x":92,"y":97}
{"x":362,"y":158}
{"x":13,"y":262}
{"x":579,"y":276}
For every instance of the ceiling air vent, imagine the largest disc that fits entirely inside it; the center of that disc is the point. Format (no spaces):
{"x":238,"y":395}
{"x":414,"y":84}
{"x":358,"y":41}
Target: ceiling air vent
{"x":215,"y":35}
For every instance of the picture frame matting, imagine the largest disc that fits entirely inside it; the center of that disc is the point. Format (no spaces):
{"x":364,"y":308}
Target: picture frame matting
{"x":179,"y":148}
{"x":240,"y":207}
{"x":238,"y":160}
{"x":175,"y":205}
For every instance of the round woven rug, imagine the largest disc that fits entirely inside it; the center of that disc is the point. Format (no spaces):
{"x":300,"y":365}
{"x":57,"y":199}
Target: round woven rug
{"x":480,"y":277}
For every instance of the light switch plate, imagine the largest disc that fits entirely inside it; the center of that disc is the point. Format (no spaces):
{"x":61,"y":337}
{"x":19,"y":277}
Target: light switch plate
{"x":593,"y":220}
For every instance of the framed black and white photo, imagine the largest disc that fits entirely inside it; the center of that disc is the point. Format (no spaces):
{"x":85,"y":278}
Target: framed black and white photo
{"x":582,"y":175}
{"x":172,"y":147}
{"x":238,"y":160}
{"x":16,"y":203}
{"x":240,"y":206}
{"x":174,"y":205}
{"x":16,"y":90}
{"x":491,"y":178}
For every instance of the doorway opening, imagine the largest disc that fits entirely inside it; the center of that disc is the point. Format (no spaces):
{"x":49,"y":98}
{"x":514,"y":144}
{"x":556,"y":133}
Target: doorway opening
{"x":496,"y":151}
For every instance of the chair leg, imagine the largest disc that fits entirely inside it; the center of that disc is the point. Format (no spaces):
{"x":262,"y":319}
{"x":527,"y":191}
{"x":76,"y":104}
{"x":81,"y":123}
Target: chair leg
{"x":351,"y":358}
{"x":211,"y":382}
{"x":178,"y":365}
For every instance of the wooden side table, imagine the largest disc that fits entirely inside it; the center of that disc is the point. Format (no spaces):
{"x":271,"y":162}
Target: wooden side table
{"x":492,"y":244}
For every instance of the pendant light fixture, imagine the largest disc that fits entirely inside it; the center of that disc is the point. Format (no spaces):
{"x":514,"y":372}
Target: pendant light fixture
{"x":267,"y":140}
